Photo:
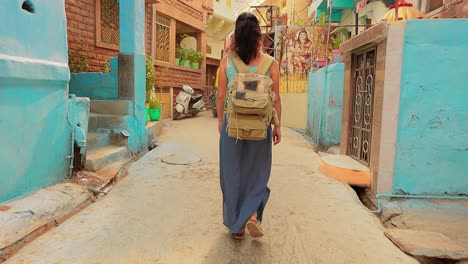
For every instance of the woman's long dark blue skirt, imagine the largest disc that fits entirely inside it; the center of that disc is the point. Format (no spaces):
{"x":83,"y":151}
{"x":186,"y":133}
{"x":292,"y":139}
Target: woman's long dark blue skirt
{"x":245,"y":168}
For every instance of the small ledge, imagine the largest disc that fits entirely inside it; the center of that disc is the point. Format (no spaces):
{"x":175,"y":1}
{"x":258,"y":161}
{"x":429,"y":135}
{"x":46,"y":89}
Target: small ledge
{"x":177,"y":67}
{"x":372,"y":35}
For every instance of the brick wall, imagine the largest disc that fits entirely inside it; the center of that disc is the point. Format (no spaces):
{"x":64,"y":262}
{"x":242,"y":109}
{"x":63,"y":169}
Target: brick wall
{"x":192,"y":10}
{"x":148,"y":28}
{"x":176,"y":76}
{"x":81,"y":28}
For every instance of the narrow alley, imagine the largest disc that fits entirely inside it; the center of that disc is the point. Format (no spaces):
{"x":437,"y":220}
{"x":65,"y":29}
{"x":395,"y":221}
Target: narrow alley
{"x":163,"y":213}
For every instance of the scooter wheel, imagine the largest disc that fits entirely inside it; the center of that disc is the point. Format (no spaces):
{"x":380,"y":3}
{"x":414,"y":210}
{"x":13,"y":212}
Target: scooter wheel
{"x":175,"y":115}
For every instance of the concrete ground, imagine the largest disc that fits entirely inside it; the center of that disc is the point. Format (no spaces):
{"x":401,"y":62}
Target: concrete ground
{"x":163,"y":213}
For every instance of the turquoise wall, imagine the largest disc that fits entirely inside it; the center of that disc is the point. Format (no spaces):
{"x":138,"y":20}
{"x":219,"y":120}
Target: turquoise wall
{"x":132,"y":42}
{"x":432,"y":141}
{"x":97,"y":85}
{"x":325,"y":100}
{"x":34,"y":105}
{"x":132,"y":26}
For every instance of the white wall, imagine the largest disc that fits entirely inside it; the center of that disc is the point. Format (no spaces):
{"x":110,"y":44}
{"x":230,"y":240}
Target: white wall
{"x":220,"y":9}
{"x":216,"y":47}
{"x":374,"y":11}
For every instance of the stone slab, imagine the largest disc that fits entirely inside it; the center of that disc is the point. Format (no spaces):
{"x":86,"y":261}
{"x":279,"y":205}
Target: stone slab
{"x":38,"y":209}
{"x":97,"y":159}
{"x":426,"y":244}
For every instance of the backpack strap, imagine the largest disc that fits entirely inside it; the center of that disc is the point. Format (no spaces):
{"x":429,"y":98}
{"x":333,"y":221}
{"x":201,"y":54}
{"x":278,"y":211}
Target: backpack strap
{"x":261,"y":69}
{"x":264,"y":65}
{"x":238,"y":63}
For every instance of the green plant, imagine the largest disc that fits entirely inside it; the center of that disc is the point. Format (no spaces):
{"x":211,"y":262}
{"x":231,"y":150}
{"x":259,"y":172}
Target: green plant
{"x":78,"y":61}
{"x":105,"y":67}
{"x":195,"y":56}
{"x":150,"y":78}
{"x":154,"y":103}
{"x":184,"y":54}
{"x":336,"y":40}
{"x":302,"y":22}
{"x":322,"y":20}
{"x":179,"y":52}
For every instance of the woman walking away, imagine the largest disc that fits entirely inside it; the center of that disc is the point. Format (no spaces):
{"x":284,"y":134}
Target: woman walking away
{"x":245,"y":165}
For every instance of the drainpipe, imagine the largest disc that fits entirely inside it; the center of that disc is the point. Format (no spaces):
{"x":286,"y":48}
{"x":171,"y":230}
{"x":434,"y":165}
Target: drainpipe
{"x":71,"y":123}
{"x":153,"y":30}
{"x":409,"y":196}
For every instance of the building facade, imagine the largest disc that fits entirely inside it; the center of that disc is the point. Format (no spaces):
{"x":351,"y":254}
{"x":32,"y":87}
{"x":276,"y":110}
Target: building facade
{"x":93,"y":30}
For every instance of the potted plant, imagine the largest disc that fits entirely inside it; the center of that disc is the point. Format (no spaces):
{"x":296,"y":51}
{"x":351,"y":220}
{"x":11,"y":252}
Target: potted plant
{"x":184,"y":57}
{"x":196,"y":58}
{"x":336,"y":40}
{"x":154,"y":109}
{"x":150,"y":80}
{"x":320,"y":52}
{"x":179,"y":53}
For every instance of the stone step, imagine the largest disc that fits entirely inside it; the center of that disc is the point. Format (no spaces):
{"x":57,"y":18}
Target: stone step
{"x":96,"y":140}
{"x":107,"y":121}
{"x":112,"y":107}
{"x":97,"y":159}
{"x":346,"y":169}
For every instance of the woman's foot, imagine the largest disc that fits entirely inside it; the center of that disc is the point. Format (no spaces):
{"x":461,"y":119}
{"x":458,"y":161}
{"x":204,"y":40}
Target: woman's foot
{"x":253,"y":225}
{"x":240,"y":235}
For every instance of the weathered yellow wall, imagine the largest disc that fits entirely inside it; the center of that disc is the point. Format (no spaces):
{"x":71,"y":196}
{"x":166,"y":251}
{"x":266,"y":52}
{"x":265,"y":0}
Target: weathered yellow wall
{"x":294,"y":113}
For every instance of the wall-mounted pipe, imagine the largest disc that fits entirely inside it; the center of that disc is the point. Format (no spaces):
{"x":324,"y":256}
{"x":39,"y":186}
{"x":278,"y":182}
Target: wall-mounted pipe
{"x":409,"y":196}
{"x":71,"y":123}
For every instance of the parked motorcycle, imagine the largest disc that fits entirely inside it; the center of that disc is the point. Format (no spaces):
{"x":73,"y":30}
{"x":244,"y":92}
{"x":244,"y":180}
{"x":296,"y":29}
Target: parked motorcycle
{"x":188,"y":103}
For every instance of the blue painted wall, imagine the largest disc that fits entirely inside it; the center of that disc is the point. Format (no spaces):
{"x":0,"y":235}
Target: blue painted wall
{"x":325,"y":100}
{"x":96,"y":85}
{"x":132,"y":42}
{"x":35,"y":136}
{"x":432,"y":140}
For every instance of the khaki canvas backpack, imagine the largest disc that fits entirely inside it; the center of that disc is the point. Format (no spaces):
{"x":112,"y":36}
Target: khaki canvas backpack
{"x":250,"y":108}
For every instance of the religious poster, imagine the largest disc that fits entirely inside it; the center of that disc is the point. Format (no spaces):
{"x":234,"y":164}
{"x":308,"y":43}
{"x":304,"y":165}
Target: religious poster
{"x":293,"y":51}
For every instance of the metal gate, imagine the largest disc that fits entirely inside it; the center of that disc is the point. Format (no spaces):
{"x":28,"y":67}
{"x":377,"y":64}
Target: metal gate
{"x":363,"y":101}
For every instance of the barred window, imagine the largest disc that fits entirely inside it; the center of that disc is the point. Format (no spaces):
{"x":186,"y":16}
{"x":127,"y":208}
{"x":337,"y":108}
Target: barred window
{"x":163,"y":32}
{"x":107,"y":24}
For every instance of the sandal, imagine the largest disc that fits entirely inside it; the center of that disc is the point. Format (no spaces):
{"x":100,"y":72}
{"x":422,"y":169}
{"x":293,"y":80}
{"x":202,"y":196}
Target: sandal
{"x":255,"y":230}
{"x":239,"y":235}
